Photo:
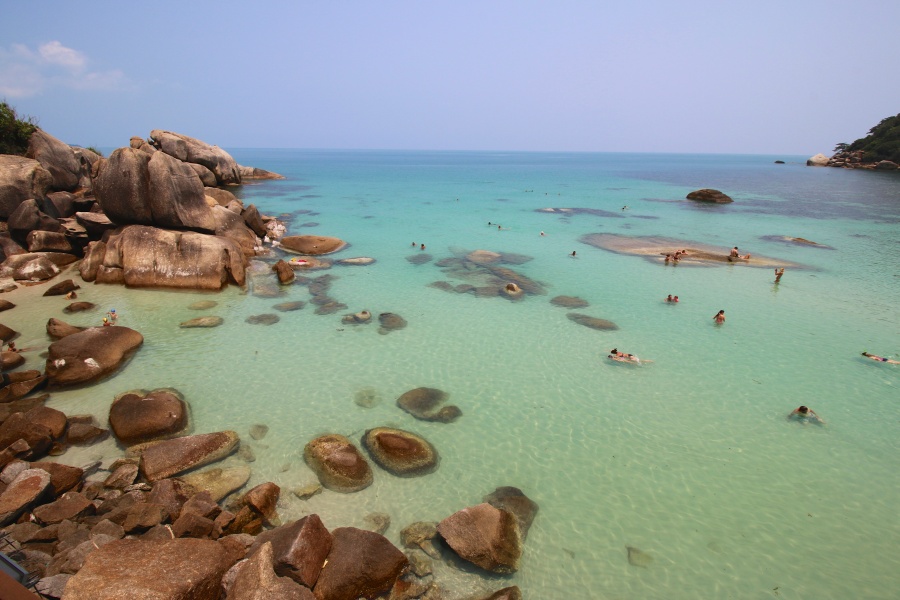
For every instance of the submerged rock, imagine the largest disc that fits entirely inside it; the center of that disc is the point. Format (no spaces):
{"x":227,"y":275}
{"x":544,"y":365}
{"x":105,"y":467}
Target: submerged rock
{"x":170,"y":457}
{"x":569,"y":302}
{"x":515,"y":501}
{"x":423,"y":403}
{"x":203,"y":305}
{"x":217,"y":482}
{"x":361,"y":564}
{"x":419,"y":259}
{"x":79,"y":307}
{"x":315,"y":245}
{"x":367,"y":397}
{"x":289,"y":306}
{"x":208,"y":321}
{"x":264,"y":319}
{"x":638,"y":558}
{"x":400,"y":452}
{"x":390,"y":322}
{"x":592,"y":322}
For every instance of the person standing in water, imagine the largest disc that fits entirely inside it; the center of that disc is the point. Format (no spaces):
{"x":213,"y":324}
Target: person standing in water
{"x":719,"y":318}
{"x":802,"y":413}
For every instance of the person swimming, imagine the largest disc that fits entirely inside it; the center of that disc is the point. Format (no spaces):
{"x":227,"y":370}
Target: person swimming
{"x":719,"y":317}
{"x":877,"y":358}
{"x":802,"y":413}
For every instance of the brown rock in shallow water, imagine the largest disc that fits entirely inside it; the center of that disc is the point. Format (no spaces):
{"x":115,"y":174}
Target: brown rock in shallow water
{"x":62,"y":288}
{"x":289,"y":306}
{"x":360,"y":564}
{"x":284,"y":272}
{"x":513,"y":500}
{"x":90,"y":354}
{"x":22,"y":492}
{"x":314,"y":245}
{"x":338,"y":464}
{"x":400,"y":452}
{"x":59,"y":329}
{"x":79,"y":307}
{"x":255,"y":579}
{"x":299,"y":548}
{"x":136,"y":417}
{"x":203,"y":305}
{"x":485,"y":536}
{"x":170,"y":457}
{"x":264,"y":319}
{"x":709,"y":195}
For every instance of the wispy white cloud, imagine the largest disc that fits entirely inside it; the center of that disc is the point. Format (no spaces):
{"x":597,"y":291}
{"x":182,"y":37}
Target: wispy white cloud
{"x":26,"y":72}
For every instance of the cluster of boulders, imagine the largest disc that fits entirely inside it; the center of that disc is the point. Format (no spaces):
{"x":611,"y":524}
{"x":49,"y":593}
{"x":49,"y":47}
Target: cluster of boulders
{"x":488,"y":273}
{"x":847,"y":159}
{"x":151,"y":214}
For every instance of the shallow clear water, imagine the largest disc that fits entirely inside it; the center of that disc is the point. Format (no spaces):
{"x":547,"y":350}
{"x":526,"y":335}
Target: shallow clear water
{"x":690,"y":458}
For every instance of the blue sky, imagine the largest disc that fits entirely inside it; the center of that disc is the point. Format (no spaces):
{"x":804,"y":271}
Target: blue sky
{"x":787,"y":77}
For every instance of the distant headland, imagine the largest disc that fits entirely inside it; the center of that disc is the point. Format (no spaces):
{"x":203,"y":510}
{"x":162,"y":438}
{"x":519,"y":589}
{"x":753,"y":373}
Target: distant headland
{"x":879,"y":150}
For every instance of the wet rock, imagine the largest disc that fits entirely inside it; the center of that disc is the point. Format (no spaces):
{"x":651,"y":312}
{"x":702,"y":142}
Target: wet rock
{"x":421,"y":535}
{"x":62,"y":288}
{"x":132,"y":568}
{"x":314,"y":245}
{"x":54,"y":420}
{"x":419,"y":564}
{"x":202,"y":322}
{"x":284,"y":272}
{"x":137,"y":416}
{"x":84,"y":432}
{"x":507,"y":593}
{"x":485,"y":536}
{"x":482,"y":257}
{"x":592,"y":322}
{"x":305,"y":492}
{"x":289,"y":306}
{"x":442,"y":285}
{"x":170,"y":457}
{"x":203,"y":305}
{"x":6,"y":305}
{"x":21,"y":383}
{"x":400,"y":452}
{"x":359,"y":318}
{"x":360,"y":564}
{"x":218,"y":482}
{"x":390,"y":322}
{"x":263,"y":499}
{"x":22,"y":493}
{"x":338,"y":464}
{"x":90,"y":354}
{"x":513,"y":500}
{"x":299,"y":549}
{"x":377,"y":522}
{"x":709,"y":195}
{"x":255,"y":579}
{"x":569,"y":302}
{"x":330,"y":307}
{"x":423,"y":403}
{"x":263,"y":319}
{"x":512,"y":291}
{"x":79,"y":307}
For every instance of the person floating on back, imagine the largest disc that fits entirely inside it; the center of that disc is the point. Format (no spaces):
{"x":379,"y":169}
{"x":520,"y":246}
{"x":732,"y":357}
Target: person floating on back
{"x":877,"y":358}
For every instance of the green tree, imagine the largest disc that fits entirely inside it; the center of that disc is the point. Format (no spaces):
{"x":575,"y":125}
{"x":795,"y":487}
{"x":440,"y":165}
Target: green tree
{"x":14,"y":131}
{"x":882,"y":143}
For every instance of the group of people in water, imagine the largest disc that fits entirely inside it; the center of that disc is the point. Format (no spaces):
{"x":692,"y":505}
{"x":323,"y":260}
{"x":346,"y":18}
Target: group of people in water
{"x":676,"y":256}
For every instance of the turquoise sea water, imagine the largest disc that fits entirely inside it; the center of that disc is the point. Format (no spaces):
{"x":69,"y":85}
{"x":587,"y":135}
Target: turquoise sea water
{"x":690,"y":458}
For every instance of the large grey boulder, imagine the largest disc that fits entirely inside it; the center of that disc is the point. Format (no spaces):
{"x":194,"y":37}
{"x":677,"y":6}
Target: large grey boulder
{"x":142,"y":256}
{"x":20,"y":179}
{"x":35,"y":266}
{"x":57,"y":157}
{"x":133,"y":187}
{"x":192,"y":150}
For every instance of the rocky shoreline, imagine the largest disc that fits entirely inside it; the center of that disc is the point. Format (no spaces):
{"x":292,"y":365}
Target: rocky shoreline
{"x":847,"y":159}
{"x":162,"y":518}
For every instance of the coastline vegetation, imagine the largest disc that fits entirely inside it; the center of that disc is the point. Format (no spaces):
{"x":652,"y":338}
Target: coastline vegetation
{"x":882,"y":142}
{"x":14,"y":130}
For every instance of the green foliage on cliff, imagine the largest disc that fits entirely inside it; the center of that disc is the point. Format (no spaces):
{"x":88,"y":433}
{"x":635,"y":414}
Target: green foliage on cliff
{"x":882,"y":143}
{"x":14,"y":132}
